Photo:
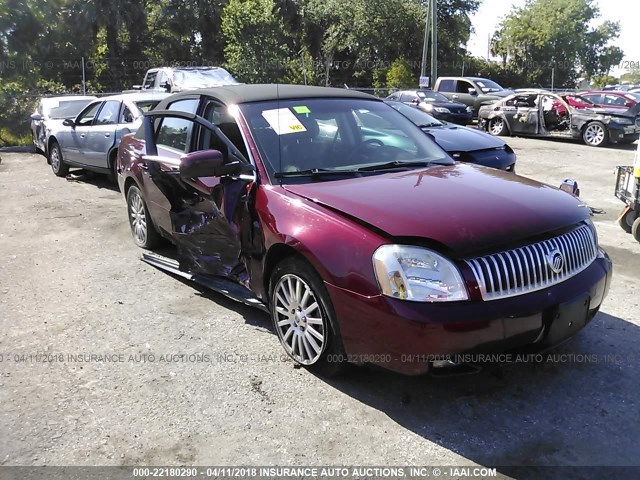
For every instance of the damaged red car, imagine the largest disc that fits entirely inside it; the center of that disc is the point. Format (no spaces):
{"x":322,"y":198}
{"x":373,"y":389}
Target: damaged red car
{"x":360,"y":236}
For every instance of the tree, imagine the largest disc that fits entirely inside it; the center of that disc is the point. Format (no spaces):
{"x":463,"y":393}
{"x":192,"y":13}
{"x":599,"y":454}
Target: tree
{"x":256,"y":47}
{"x":400,"y":75}
{"x":554,"y":37}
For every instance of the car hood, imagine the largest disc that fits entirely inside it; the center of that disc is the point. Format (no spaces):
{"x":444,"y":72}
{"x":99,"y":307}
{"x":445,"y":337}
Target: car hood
{"x":463,"y":139}
{"x":465,"y":208}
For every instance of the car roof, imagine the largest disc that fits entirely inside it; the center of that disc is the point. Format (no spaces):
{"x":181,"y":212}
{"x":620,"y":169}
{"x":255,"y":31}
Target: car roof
{"x":68,"y":97}
{"x":234,"y":94}
{"x":137,"y":97}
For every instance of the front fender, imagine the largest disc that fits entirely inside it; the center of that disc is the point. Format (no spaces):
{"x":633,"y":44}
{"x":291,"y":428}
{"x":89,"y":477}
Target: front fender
{"x":339,"y":248}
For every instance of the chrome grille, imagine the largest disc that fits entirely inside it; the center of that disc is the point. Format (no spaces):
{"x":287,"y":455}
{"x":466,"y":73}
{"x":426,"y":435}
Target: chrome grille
{"x":530,"y":268}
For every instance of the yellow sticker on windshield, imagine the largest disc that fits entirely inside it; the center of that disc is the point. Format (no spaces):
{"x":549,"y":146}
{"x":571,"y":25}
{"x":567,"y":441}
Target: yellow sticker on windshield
{"x":283,"y":121}
{"x":301,"y":109}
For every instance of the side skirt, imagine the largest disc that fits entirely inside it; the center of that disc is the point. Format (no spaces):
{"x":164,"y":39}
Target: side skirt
{"x":226,"y":287}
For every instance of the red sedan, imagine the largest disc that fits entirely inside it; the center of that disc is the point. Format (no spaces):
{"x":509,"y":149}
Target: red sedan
{"x":614,"y":100}
{"x":361,"y":237}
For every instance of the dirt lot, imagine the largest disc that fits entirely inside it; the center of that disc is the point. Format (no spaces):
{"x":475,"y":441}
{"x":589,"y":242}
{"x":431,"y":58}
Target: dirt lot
{"x":71,"y":283}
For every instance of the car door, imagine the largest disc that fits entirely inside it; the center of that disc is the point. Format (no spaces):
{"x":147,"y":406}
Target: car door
{"x":208,"y":216}
{"x":101,"y":135}
{"x":594,"y":97}
{"x":72,"y":140}
{"x":462,"y":94}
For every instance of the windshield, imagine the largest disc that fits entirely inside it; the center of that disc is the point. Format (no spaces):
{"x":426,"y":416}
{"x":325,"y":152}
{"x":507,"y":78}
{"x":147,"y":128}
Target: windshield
{"x":489,"y":86}
{"x":430,"y":96}
{"x":336,"y":135}
{"x":66,"y":109}
{"x":202,"y":78}
{"x":417,"y":116}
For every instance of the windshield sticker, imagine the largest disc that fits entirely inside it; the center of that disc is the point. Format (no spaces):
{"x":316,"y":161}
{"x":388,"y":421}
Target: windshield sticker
{"x":283,"y":121}
{"x":301,"y":109}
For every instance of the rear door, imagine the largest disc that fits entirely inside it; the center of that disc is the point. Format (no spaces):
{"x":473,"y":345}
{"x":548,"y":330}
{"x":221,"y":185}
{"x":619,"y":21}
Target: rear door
{"x":102,"y":134}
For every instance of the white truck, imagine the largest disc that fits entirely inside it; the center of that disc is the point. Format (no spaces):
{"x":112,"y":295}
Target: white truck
{"x":170,"y":79}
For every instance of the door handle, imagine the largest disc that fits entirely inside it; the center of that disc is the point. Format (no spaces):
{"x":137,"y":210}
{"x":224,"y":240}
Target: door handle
{"x":144,"y":166}
{"x":455,"y":96}
{"x":82,"y":135}
{"x":107,"y":135}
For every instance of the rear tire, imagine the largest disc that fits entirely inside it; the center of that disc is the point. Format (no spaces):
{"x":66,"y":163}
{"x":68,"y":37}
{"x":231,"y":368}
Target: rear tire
{"x":626,"y":220}
{"x":143,"y":230}
{"x":58,"y":166}
{"x":497,"y":127}
{"x":595,"y":134}
{"x":304,"y":318}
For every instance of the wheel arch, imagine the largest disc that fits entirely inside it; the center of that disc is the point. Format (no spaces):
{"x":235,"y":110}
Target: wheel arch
{"x":50,"y":141}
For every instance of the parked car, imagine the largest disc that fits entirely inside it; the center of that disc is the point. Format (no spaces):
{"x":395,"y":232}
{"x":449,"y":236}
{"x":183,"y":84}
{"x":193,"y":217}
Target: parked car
{"x":534,"y":114}
{"x":613,"y":100}
{"x":462,"y":143}
{"x":167,"y":79}
{"x":435,"y":104}
{"x":361,"y":250}
{"x":620,"y":88}
{"x":91,"y":139}
{"x":472,"y":91}
{"x":49,"y":114}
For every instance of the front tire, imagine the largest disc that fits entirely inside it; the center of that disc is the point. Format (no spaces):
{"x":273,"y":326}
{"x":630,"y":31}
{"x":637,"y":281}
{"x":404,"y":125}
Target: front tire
{"x":595,"y":134}
{"x":497,"y":127}
{"x":58,"y":166}
{"x":143,"y":230}
{"x":304,"y":319}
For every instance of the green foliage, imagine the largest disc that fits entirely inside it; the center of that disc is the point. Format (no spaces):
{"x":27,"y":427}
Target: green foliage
{"x":600,"y":81}
{"x":256,"y":49}
{"x":400,"y":75}
{"x":546,"y":35}
{"x":632,"y":75}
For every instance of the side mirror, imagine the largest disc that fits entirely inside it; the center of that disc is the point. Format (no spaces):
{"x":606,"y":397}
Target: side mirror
{"x":570,"y":186}
{"x":137,"y":87}
{"x":166,"y":86}
{"x":69,"y":122}
{"x":36,"y":117}
{"x":472,"y":92}
{"x":415,"y":101}
{"x":209,"y":163}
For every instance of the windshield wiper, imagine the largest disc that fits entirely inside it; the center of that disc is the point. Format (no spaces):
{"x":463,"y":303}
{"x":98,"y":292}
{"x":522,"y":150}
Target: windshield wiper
{"x":432,"y":124}
{"x":396,"y":164}
{"x":315,"y":172}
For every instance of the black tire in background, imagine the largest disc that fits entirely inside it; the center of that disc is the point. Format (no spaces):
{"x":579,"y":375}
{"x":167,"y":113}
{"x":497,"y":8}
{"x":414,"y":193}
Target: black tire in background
{"x":626,"y":220}
{"x":635,"y":229}
{"x":59,"y":167}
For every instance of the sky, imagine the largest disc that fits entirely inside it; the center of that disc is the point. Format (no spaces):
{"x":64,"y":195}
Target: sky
{"x":627,"y":12}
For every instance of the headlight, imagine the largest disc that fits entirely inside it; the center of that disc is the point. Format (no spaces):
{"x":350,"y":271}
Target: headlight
{"x":624,"y":121}
{"x":442,"y":110}
{"x":417,"y":274}
{"x":469,"y":109}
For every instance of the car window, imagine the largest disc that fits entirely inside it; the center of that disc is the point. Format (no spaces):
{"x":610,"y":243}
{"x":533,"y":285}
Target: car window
{"x":431,"y":96}
{"x":462,"y":86}
{"x":150,"y":80}
{"x":488,"y":86}
{"x":614,"y":100}
{"x":86,"y":117}
{"x":176,"y":132}
{"x":594,"y":97}
{"x":109,"y":113}
{"x":127,"y":116}
{"x":162,"y":79}
{"x":447,"y":86}
{"x":66,"y":108}
{"x":219,"y":115}
{"x":408,"y":97}
{"x":393,"y":97}
{"x":146,"y":105}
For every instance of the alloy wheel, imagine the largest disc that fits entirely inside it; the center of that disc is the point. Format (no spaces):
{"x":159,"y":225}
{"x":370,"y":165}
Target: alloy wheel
{"x":138,"y":218}
{"x":594,"y":134}
{"x":300,"y":322}
{"x":497,"y":124}
{"x":55,"y":159}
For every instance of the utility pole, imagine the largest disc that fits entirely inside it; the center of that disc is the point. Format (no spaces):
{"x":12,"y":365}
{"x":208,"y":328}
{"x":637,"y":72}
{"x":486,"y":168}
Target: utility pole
{"x":434,"y":41}
{"x":430,"y":33}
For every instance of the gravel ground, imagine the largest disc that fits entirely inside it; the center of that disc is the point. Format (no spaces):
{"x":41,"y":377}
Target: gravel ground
{"x":71,"y":283}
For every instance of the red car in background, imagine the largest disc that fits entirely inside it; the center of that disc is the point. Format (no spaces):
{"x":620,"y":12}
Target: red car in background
{"x":616,"y":100}
{"x":573,"y":101}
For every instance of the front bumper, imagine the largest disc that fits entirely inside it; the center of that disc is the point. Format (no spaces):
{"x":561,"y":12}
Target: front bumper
{"x":407,"y":336}
{"x":459,"y":118}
